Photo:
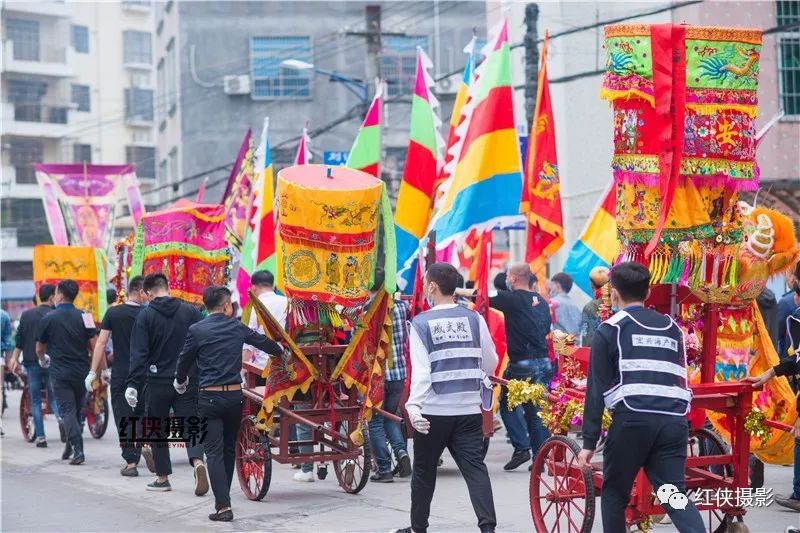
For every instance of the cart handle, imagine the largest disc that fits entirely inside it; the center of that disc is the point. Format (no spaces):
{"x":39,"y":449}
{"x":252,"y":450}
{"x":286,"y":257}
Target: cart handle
{"x":778,"y":425}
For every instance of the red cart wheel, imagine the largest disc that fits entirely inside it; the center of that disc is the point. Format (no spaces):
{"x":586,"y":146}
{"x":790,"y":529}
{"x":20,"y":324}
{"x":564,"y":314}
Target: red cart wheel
{"x":704,"y":442}
{"x":253,"y":460}
{"x":97,"y":422}
{"x":26,"y":416}
{"x":562,"y":495}
{"x":353,"y":474}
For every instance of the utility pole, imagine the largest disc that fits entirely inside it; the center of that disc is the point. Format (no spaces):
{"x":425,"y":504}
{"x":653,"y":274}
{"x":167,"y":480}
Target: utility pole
{"x":373,"y":35}
{"x":531,"y":61}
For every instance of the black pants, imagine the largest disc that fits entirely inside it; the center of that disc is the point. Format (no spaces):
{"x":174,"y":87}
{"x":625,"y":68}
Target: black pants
{"x":128,"y":421}
{"x":159,"y":398}
{"x":223,"y":411}
{"x":463,"y":436}
{"x":657,"y":443}
{"x":70,"y":397}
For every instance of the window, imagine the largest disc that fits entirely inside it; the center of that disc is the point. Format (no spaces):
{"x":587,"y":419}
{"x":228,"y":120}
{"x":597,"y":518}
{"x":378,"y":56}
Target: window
{"x":788,"y":12}
{"x":144,"y":159}
{"x":25,"y":35}
{"x":27,"y":216}
{"x":139,"y":105}
{"x":80,"y":96}
{"x":80,"y":39}
{"x":270,"y":79}
{"x":81,"y":153}
{"x":136,"y":47}
{"x":26,"y":95}
{"x":23,"y":153}
{"x":399,"y":62}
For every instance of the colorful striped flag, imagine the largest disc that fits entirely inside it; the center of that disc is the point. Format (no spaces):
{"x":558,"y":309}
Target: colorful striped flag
{"x":258,"y":245}
{"x":238,"y":193}
{"x":365,"y":154}
{"x":597,"y":245}
{"x":457,"y":116}
{"x":485,"y":187}
{"x":423,"y":161}
{"x":541,"y":193}
{"x":303,"y":156}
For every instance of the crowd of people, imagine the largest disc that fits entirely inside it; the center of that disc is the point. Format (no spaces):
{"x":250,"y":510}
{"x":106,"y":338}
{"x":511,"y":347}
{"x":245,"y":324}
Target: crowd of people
{"x":172,"y":361}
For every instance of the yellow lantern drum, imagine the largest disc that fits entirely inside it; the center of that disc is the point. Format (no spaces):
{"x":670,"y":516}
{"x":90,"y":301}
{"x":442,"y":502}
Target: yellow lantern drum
{"x":327,"y":224}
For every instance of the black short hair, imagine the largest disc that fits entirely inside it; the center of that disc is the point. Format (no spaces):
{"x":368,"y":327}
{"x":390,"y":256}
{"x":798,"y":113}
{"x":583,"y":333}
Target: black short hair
{"x":215,"y":297}
{"x":68,"y":289}
{"x":469,"y":284}
{"x":380,"y":279}
{"x":631,"y":280}
{"x":445,"y":276}
{"x":500,"y":281}
{"x":111,"y":296}
{"x":153,"y":281}
{"x":460,"y":282}
{"x":46,"y":290}
{"x":533,"y":280}
{"x":262,"y":278}
{"x":564,"y":280}
{"x":136,"y":284}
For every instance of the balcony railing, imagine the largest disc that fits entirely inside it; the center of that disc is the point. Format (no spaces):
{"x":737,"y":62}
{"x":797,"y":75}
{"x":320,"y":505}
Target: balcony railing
{"x":41,"y":113}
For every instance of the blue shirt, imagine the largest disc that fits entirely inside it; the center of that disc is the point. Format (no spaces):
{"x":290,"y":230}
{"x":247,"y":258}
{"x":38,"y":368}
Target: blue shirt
{"x":5,"y":330}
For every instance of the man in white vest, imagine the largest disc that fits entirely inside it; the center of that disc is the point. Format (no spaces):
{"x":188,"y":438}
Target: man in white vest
{"x":638,"y":370}
{"x":451,"y":354}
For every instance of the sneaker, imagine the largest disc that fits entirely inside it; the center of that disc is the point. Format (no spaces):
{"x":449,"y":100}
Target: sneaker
{"x":404,"y":530}
{"x":41,"y":442}
{"x":404,"y":466}
{"x":518,"y":459}
{"x":200,"y":479}
{"x":295,"y":466}
{"x":129,"y":471}
{"x":790,"y":502}
{"x":791,"y":529}
{"x":385,"y":477}
{"x":221,"y":516}
{"x":159,"y":486}
{"x":304,"y":477}
{"x":147,"y":454}
{"x":79,"y":459}
{"x":67,"y":453}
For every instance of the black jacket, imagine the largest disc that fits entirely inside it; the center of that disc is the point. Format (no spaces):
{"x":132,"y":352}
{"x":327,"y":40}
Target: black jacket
{"x":157,"y":339}
{"x":214,"y":346}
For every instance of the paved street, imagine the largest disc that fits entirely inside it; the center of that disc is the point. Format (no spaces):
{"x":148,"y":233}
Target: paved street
{"x":42,"y":493}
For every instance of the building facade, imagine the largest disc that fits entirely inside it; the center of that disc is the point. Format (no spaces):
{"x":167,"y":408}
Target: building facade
{"x":77,"y":84}
{"x":583,"y":122}
{"x":220,"y":70}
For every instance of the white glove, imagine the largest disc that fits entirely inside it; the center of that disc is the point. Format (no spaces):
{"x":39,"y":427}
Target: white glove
{"x":131,"y":396}
{"x":105,"y":376}
{"x":420,"y":423}
{"x":243,"y":375}
{"x":180,"y":388}
{"x":44,"y":362}
{"x":90,"y":377}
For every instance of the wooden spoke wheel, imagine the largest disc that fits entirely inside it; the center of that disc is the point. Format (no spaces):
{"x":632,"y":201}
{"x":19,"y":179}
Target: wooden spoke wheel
{"x":704,"y":442}
{"x":26,"y":416}
{"x":353,"y":474}
{"x":562,"y":496}
{"x":253,"y":460}
{"x":97,"y":422}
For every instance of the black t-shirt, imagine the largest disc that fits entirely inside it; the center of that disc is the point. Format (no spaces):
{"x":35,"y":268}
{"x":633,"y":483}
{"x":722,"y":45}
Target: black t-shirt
{"x":119,"y":321}
{"x":66,"y":335}
{"x":527,"y":318}
{"x":26,"y":333}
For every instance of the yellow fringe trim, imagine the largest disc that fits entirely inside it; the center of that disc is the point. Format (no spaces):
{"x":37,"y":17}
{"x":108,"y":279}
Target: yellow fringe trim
{"x":713,"y":109}
{"x":706,"y":33}
{"x":613,"y":94}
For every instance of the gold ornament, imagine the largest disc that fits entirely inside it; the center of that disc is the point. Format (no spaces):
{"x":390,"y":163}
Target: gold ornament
{"x":754,"y":425}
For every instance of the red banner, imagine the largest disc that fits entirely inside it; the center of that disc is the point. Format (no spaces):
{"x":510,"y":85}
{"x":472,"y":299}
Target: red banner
{"x":541,"y":193}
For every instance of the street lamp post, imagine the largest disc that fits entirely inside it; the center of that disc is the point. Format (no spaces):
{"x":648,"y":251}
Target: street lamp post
{"x":358,"y":87}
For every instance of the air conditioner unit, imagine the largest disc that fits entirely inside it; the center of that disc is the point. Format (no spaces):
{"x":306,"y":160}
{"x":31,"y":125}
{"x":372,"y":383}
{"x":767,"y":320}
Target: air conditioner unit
{"x":237,"y":84}
{"x":449,"y":85}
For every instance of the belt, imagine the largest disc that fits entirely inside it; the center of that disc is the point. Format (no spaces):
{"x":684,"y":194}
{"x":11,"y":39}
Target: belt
{"x":221,"y":388}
